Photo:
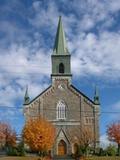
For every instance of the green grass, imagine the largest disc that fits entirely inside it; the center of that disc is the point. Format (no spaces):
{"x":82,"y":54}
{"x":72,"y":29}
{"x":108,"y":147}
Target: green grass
{"x":103,"y":158}
{"x":36,"y":158}
{"x":18,"y":158}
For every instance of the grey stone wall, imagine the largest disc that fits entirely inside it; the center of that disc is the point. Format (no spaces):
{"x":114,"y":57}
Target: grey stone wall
{"x":81,"y":112}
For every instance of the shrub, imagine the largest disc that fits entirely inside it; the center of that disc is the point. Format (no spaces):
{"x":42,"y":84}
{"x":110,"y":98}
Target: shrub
{"x":102,"y":152}
{"x":42,"y":153}
{"x":21,"y":149}
{"x":11,"y":151}
{"x":111,"y":150}
{"x":16,"y":151}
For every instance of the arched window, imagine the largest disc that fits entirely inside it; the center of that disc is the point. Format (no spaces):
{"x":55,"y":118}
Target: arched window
{"x":61,"y":68}
{"x":61,"y":110}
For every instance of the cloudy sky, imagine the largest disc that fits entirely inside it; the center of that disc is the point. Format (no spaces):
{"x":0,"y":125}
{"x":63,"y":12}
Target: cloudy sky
{"x":27,"y":33}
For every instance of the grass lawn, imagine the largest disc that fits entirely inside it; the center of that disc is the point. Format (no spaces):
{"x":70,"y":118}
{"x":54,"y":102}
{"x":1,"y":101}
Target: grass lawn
{"x":103,"y":158}
{"x":36,"y":158}
{"x":18,"y":158}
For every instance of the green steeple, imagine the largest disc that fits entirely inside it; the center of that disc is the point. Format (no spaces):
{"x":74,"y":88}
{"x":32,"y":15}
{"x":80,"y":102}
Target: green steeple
{"x":26,"y":97}
{"x":96,"y":96}
{"x":60,"y":47}
{"x":61,"y":64}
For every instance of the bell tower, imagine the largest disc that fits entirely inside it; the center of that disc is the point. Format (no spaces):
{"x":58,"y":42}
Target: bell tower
{"x":61,"y":65}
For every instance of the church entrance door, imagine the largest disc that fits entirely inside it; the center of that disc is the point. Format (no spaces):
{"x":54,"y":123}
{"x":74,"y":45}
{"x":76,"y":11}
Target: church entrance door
{"x":62,"y":148}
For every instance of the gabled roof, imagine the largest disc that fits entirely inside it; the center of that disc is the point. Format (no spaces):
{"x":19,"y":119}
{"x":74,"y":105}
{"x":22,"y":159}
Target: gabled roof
{"x":39,"y":94}
{"x":82,"y":94}
{"x":71,"y":86}
{"x":61,"y":130}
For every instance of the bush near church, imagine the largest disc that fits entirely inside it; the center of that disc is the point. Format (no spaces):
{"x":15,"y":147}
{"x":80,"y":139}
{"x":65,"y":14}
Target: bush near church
{"x":111,"y":150}
{"x":18,"y":150}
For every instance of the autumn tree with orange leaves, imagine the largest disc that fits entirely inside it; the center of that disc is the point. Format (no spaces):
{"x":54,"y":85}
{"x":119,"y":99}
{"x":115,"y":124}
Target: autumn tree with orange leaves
{"x":39,"y":134}
{"x":7,"y":135}
{"x":113,"y":131}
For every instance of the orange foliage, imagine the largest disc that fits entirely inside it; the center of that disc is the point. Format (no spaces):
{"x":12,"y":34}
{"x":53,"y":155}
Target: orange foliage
{"x":113,"y":132}
{"x":11,"y":139}
{"x":7,"y":135}
{"x":39,"y":134}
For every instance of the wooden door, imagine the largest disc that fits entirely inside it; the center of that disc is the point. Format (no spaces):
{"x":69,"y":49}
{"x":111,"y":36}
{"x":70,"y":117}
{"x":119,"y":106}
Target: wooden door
{"x":62,"y":148}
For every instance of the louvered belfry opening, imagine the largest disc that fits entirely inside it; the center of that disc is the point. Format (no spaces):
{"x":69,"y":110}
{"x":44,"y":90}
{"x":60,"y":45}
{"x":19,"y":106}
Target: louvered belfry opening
{"x":61,"y":68}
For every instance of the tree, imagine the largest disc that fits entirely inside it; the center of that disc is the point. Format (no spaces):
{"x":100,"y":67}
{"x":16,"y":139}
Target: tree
{"x":84,"y":138}
{"x":39,"y":134}
{"x":7,"y":135}
{"x":111,"y":150}
{"x":113,"y":132}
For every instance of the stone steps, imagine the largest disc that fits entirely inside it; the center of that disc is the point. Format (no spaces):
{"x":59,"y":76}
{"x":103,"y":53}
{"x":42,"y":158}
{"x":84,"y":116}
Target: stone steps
{"x":62,"y":158}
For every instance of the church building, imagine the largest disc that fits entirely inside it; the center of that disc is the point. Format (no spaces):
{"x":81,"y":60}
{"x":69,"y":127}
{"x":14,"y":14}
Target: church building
{"x":66,"y":107}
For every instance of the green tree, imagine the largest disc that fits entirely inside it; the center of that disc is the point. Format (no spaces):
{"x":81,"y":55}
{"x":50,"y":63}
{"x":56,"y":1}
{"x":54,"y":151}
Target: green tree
{"x":111,"y":150}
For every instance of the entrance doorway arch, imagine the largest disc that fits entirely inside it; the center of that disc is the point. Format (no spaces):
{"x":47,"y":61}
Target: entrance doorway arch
{"x":62,"y":148}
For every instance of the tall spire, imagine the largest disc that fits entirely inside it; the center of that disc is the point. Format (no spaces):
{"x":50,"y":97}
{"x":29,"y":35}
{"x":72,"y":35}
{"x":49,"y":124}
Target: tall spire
{"x":61,"y":63}
{"x":60,"y":47}
{"x":96,"y":96}
{"x":26,"y":97}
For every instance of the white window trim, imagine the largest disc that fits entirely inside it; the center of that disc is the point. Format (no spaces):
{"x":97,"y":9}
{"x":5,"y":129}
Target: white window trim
{"x":61,"y":110}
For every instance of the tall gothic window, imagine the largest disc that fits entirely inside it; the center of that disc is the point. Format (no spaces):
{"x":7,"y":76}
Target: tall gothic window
{"x":61,"y":110}
{"x":61,"y":68}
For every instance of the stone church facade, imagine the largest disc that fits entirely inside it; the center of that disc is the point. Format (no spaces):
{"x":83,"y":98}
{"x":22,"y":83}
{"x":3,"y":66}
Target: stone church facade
{"x":67,"y":108}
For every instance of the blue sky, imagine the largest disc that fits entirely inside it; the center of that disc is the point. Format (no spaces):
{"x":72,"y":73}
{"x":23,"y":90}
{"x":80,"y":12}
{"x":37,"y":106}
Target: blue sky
{"x":27,"y":33}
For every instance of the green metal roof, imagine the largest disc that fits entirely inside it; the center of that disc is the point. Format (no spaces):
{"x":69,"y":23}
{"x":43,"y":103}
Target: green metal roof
{"x":26,"y":97}
{"x":96,"y":96}
{"x":60,"y":47}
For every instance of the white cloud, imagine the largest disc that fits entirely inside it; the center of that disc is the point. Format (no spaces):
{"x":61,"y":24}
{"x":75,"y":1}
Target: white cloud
{"x":97,"y":55}
{"x":8,"y":95}
{"x":20,"y":67}
{"x":114,"y":110}
{"x":44,"y":16}
{"x":114,"y":5}
{"x":116,"y":106}
{"x":104,"y":142}
{"x":19,"y":59}
{"x":86,"y":23}
{"x":94,"y":54}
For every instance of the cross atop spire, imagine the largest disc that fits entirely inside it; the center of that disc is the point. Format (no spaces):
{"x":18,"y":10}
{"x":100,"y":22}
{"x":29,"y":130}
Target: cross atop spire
{"x":26,"y":97}
{"x":60,"y":47}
